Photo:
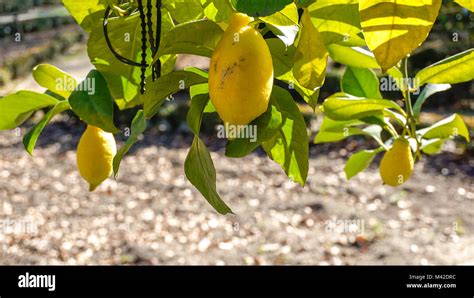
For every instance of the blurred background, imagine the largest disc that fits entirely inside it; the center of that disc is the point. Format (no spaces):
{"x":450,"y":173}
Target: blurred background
{"x":152,"y":215}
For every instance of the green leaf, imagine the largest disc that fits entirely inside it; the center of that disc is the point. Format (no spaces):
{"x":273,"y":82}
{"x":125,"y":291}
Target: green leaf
{"x":282,"y":65}
{"x":93,"y":103}
{"x":125,"y":35}
{"x":30,"y":139}
{"x":311,"y":56}
{"x":217,"y":11}
{"x":360,"y":161}
{"x":284,"y":24}
{"x":456,"y":69}
{"x":450,"y":127}
{"x":429,"y":90}
{"x":16,"y":108}
{"x":86,"y":12}
{"x":289,"y":147}
{"x":202,"y":89}
{"x":432,"y":146}
{"x":168,"y":85}
{"x":54,"y":79}
{"x":184,"y":10}
{"x":194,"y":117}
{"x":138,"y":127}
{"x":355,"y":57}
{"x":334,"y":131}
{"x":342,"y":107}
{"x":122,"y":79}
{"x":267,"y":125}
{"x":198,"y":166}
{"x":336,"y":135}
{"x":393,"y":29}
{"x":360,"y":82}
{"x":259,"y":8}
{"x":196,"y":38}
{"x":338,"y":21}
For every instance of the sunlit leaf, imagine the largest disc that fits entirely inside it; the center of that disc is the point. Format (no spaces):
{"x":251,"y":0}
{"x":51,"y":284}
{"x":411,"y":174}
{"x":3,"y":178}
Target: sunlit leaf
{"x":311,"y":56}
{"x":456,"y":69}
{"x":394,"y":28}
{"x":17,"y":107}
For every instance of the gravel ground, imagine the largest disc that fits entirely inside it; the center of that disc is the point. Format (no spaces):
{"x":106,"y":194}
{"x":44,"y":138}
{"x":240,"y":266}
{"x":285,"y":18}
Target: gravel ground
{"x":152,"y":215}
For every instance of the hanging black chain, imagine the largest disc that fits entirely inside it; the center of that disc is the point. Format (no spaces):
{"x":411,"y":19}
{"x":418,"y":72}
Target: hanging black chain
{"x":146,"y":21}
{"x":149,"y":14}
{"x":144,"y":65}
{"x":157,"y":65}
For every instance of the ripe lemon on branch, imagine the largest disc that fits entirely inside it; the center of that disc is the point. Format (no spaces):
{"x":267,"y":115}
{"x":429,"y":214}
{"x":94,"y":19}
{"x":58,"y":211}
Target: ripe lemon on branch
{"x":397,"y":163}
{"x":241,"y":73}
{"x":95,"y":155}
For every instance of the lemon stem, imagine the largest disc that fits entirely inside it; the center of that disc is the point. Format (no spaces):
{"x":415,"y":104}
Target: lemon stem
{"x":411,"y":121}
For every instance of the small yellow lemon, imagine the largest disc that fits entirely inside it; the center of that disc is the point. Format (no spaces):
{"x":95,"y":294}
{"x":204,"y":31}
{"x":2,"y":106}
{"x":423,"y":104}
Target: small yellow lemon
{"x":241,"y":73}
{"x":95,"y":154}
{"x":397,"y":163}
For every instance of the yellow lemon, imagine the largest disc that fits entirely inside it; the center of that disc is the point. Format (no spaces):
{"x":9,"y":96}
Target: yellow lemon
{"x":241,"y":73}
{"x":397,"y":163}
{"x":95,"y":155}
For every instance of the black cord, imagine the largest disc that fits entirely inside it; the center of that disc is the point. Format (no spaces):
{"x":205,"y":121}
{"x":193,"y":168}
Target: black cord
{"x":146,"y":21}
{"x":109,"y":44}
{"x":144,"y":65}
{"x":157,"y":65}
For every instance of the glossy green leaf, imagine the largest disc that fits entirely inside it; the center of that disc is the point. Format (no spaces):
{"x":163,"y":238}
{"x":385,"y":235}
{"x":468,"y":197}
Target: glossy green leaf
{"x":197,"y":38}
{"x":342,"y":107}
{"x":311,"y":56}
{"x":282,"y":65}
{"x":267,"y":125}
{"x":93,"y":103}
{"x":360,"y":161}
{"x":198,"y":166}
{"x":31,"y":137}
{"x":289,"y":147}
{"x":217,"y":11}
{"x":394,"y":28}
{"x":138,"y":127}
{"x":338,"y":21}
{"x":355,"y":56}
{"x":17,"y":107}
{"x":54,"y":79}
{"x":450,"y":127}
{"x":429,"y":90}
{"x":432,"y":146}
{"x":284,"y":24}
{"x":456,"y":69}
{"x":360,"y":82}
{"x":259,"y":8}
{"x":86,"y":12}
{"x":334,"y":131}
{"x":168,"y":85}
{"x":184,"y":10}
{"x":123,"y":79}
